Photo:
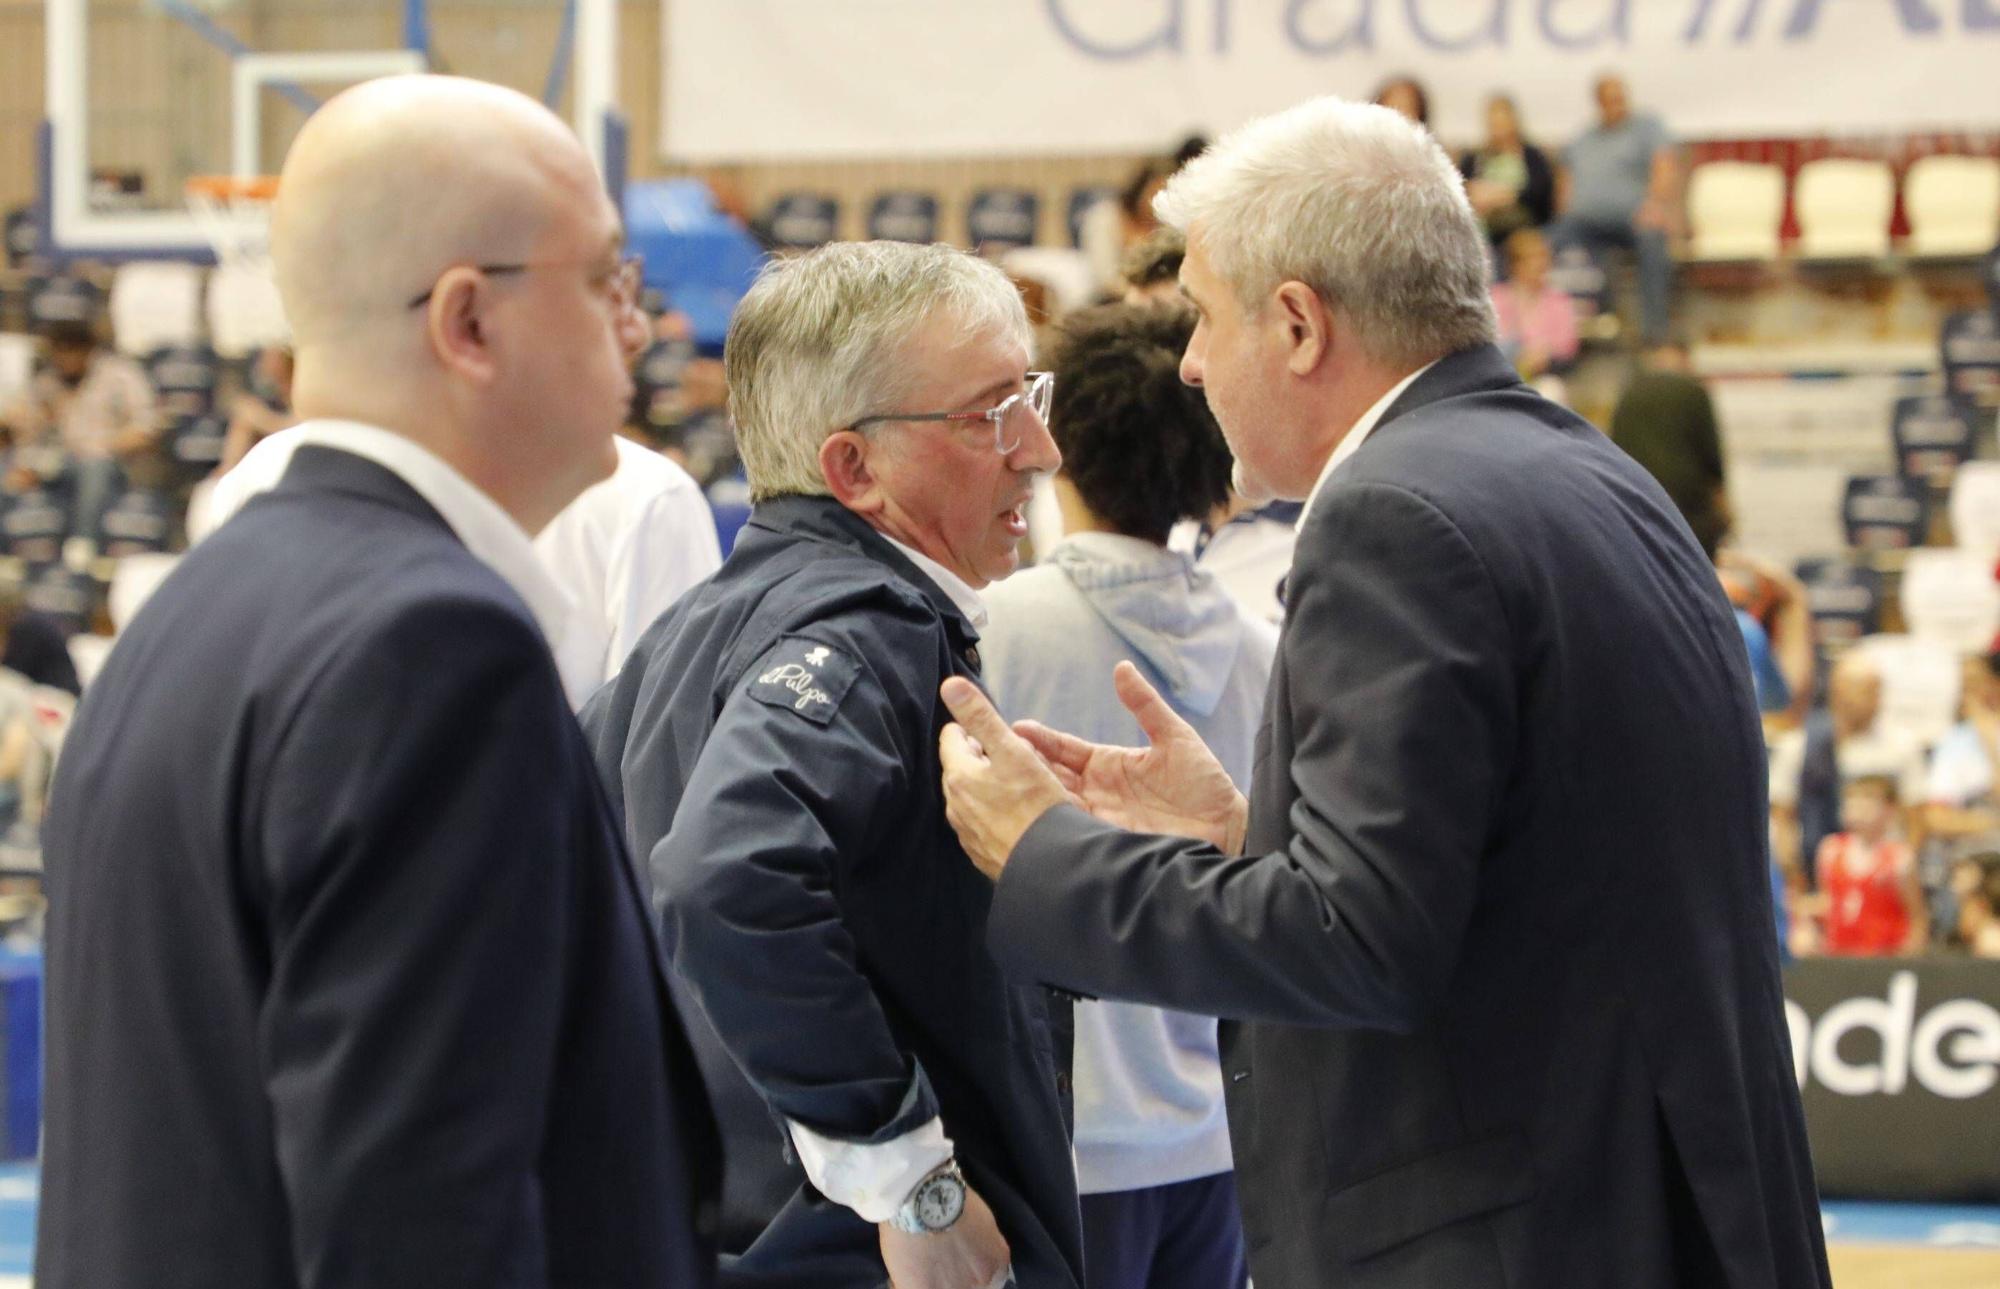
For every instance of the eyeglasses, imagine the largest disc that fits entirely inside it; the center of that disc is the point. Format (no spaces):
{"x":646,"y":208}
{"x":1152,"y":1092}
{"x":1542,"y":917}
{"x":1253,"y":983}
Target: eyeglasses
{"x":1009,"y":418}
{"x":625,"y":281}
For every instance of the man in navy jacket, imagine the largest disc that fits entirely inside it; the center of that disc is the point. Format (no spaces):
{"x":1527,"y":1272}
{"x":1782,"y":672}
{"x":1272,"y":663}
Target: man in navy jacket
{"x":774,"y":744}
{"x":1493,"y":929}
{"x":349,"y":981}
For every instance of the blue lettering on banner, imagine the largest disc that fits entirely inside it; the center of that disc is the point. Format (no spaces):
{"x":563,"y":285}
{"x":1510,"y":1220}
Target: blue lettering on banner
{"x":1359,"y":32}
{"x":1616,"y":25}
{"x":1917,"y":17}
{"x":1166,"y":36}
{"x":1982,"y":15}
{"x":1746,"y":25}
{"x":1492,"y":31}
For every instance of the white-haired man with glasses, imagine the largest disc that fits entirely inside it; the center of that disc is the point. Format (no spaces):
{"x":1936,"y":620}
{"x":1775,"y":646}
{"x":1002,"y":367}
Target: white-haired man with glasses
{"x":774,"y":744}
{"x":1491,"y":933}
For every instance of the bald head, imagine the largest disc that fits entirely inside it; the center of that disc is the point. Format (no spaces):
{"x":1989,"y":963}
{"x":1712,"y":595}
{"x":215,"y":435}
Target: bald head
{"x":398,"y":179}
{"x":1854,"y":691}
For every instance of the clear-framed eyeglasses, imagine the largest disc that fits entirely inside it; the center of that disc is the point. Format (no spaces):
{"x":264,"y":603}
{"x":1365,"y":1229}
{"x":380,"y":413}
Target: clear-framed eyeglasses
{"x":1009,"y":416}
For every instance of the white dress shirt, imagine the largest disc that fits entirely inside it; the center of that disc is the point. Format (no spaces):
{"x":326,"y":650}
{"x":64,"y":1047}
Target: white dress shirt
{"x":956,"y":589}
{"x":1355,"y":437}
{"x":875,"y":1179}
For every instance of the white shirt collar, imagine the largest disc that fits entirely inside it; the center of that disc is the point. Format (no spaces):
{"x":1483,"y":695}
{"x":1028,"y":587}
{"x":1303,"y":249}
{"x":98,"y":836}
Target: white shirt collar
{"x":489,"y":532}
{"x":956,"y":588}
{"x":1349,"y":445}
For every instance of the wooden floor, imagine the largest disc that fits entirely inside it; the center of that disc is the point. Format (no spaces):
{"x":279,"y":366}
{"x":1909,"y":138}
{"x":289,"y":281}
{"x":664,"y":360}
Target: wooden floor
{"x":1891,"y":1267}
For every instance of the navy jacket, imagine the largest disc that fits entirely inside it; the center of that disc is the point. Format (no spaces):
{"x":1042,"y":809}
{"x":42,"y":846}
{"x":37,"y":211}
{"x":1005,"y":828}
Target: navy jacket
{"x":1503,"y":998}
{"x":774,"y":739}
{"x":349,"y":982}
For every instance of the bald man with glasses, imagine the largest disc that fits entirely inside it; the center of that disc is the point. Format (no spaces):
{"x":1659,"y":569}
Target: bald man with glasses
{"x":350,"y":982}
{"x":893,"y":1109}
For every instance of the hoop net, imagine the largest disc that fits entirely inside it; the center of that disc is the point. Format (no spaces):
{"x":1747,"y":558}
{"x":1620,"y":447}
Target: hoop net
{"x":234,"y":215}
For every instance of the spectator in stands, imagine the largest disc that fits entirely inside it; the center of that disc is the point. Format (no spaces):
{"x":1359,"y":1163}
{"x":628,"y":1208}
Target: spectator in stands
{"x":33,"y":720}
{"x":88,"y":413}
{"x":1508,"y":179}
{"x":1405,"y":94}
{"x":1772,"y":611}
{"x":1151,"y":267}
{"x":1666,"y":422}
{"x":32,"y":646}
{"x":1112,"y":227}
{"x":1619,"y":189}
{"x":1975,"y":888}
{"x":263,"y":409}
{"x":1141,"y":452}
{"x":1962,"y":811}
{"x":1838,"y":743}
{"x":1870,"y":899}
{"x":1536,"y":320}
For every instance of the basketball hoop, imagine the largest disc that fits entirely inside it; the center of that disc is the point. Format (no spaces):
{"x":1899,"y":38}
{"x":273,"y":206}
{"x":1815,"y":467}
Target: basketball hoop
{"x":234,"y":215}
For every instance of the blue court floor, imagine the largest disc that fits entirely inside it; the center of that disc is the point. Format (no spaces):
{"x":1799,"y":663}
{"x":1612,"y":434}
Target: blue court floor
{"x":1930,"y":1226}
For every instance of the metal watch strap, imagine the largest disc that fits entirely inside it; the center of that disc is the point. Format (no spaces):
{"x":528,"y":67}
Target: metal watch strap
{"x":906,"y":1219}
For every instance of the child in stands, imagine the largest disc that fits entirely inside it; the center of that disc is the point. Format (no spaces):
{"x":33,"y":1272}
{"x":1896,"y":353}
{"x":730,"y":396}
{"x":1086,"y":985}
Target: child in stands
{"x":1870,"y":899}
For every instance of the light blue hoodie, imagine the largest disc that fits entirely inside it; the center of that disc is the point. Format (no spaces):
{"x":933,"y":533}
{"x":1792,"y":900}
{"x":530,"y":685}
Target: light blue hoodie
{"x":1148,"y":1089}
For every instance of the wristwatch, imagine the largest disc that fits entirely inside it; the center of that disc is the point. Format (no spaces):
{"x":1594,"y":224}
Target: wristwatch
{"x":934,"y":1204}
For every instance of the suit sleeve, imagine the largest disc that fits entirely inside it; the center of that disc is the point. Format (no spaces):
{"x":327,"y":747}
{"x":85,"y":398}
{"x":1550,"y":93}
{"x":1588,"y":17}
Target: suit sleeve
{"x":416,"y":848}
{"x":787,"y":795}
{"x":1402,"y":715}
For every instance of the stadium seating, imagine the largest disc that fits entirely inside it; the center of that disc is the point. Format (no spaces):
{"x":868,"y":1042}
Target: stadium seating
{"x":155,"y":305}
{"x":903,"y":217}
{"x":1953,"y":206}
{"x":1002,"y":218}
{"x":1736,"y":210}
{"x":1975,"y":507}
{"x":1949,"y":595}
{"x":1920,"y":685}
{"x":1843,"y":206}
{"x":799,"y":221}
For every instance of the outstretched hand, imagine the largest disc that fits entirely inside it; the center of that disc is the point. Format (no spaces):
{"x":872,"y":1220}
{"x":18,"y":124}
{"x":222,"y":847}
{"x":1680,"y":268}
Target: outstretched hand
{"x":1173,"y":786}
{"x":998,"y":781}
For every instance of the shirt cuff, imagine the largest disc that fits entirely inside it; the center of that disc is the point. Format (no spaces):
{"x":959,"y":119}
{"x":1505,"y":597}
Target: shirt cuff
{"x":872,"y":1178}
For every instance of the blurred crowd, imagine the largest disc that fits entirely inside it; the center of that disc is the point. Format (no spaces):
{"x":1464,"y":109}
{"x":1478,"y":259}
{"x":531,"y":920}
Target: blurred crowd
{"x":1880,"y":843}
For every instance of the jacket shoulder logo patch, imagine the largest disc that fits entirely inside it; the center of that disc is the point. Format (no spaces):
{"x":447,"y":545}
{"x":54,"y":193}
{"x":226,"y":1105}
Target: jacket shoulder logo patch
{"x":805,"y":677}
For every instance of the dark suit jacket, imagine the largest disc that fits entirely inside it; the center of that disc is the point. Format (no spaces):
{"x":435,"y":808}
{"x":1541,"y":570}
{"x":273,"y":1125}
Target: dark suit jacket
{"x":349,"y":982}
{"x":1499,"y":954}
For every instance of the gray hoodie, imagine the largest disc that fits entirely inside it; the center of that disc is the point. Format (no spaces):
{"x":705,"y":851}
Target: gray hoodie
{"x":1148,"y":1090}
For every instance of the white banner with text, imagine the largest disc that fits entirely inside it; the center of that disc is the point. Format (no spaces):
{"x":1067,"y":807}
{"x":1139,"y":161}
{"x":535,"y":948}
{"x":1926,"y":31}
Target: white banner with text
{"x":799,"y":79}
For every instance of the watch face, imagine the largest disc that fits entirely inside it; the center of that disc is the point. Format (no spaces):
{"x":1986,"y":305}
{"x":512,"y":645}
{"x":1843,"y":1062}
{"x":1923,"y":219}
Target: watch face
{"x":940,"y":1202}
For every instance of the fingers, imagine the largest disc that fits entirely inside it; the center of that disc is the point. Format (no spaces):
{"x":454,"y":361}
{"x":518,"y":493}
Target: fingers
{"x":957,"y":753}
{"x":1062,"y":751}
{"x":971,"y":709}
{"x":1155,"y":717}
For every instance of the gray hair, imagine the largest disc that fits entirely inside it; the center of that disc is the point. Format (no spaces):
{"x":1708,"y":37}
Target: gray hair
{"x":815,"y":345}
{"x":1359,"y":204}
